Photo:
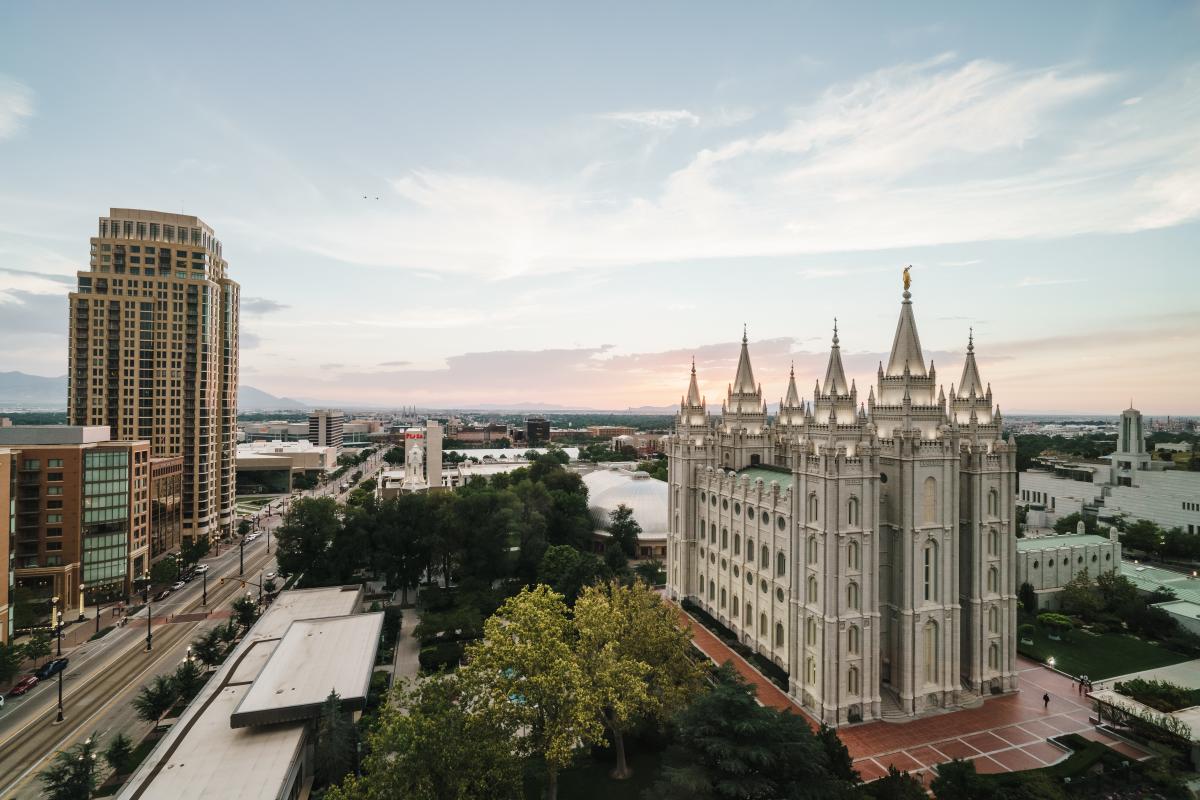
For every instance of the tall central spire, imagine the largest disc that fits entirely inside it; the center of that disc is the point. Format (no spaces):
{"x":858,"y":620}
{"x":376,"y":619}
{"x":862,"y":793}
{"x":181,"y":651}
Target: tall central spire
{"x":792,"y":400}
{"x":906,"y":347}
{"x":835,"y":376}
{"x":970,"y":383}
{"x":743,"y":382}
{"x":693,"y":393}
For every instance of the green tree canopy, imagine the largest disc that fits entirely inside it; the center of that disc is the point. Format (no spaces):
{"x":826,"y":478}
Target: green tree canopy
{"x":1080,"y":596}
{"x":11,"y":656}
{"x":336,"y":742}
{"x":72,"y":773}
{"x":38,"y":646}
{"x":624,"y":530}
{"x":568,"y":570}
{"x":308,"y":530}
{"x":156,"y":698}
{"x":119,"y":754}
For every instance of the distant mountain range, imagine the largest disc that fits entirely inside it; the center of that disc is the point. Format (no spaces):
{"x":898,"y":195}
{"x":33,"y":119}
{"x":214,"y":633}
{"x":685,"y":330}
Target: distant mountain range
{"x":20,"y":390}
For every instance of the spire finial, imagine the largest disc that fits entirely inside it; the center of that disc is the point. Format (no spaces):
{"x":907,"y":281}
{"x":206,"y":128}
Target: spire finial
{"x":693,"y":365}
{"x":835,"y":336}
{"x":792,"y":371}
{"x":907,"y":282}
{"x":744,"y":340}
{"x":971,"y":340}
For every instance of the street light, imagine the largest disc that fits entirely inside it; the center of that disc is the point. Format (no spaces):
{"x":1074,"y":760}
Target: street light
{"x":204,"y":601}
{"x":149,"y":632}
{"x":242,"y":557}
{"x":81,"y":616}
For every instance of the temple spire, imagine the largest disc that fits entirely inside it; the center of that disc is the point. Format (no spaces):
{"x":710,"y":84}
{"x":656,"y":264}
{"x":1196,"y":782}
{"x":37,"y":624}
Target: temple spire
{"x":835,"y":376}
{"x":970,"y":383}
{"x":792,"y":400}
{"x":906,"y":347}
{"x":693,"y":393}
{"x":743,"y":382}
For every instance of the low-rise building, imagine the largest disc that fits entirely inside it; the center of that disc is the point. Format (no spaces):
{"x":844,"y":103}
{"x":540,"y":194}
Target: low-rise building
{"x":610,"y":431}
{"x":612,"y":487}
{"x":1048,"y":563}
{"x":250,"y":732}
{"x":268,"y":467}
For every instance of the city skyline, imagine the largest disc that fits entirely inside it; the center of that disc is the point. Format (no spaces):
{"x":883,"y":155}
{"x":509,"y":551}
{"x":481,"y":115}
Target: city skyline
{"x":568,"y":211}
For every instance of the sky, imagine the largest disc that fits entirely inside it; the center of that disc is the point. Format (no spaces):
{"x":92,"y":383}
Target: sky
{"x":463,"y":203}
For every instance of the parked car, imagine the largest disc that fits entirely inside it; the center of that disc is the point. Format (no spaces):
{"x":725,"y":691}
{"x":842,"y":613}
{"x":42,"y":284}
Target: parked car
{"x":200,"y":568}
{"x":24,"y":685}
{"x":269,"y":576}
{"x":177,"y":586}
{"x":1,"y":701}
{"x":163,"y":595}
{"x":52,"y":668}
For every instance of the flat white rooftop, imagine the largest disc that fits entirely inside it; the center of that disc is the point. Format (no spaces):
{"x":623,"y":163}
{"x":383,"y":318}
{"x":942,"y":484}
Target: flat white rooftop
{"x":53,"y":434}
{"x":315,"y":657}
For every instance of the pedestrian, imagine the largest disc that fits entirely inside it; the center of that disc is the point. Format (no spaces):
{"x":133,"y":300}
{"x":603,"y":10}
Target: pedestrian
{"x":1046,"y":701}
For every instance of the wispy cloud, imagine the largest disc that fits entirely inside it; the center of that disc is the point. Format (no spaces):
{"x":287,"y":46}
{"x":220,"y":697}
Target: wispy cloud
{"x":16,"y":104}
{"x":662,"y":118}
{"x":261,"y":305}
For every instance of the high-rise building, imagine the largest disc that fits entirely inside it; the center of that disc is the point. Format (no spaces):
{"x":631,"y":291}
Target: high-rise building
{"x":154,"y":352}
{"x":866,"y":549}
{"x":325,"y":427}
{"x":166,"y":506}
{"x":8,"y":513}
{"x":82,"y":516}
{"x":537,"y":431}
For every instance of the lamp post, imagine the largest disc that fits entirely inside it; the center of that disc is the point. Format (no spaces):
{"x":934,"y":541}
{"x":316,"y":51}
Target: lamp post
{"x":204,"y":600}
{"x":242,"y":557}
{"x":260,"y":581}
{"x":81,"y":616}
{"x":56,"y":621}
{"x":149,"y":632}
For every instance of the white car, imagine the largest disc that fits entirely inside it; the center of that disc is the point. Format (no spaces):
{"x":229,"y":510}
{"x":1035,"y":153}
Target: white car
{"x":202,"y":568}
{"x":177,"y":586}
{"x":250,"y":537}
{"x":270,"y":576}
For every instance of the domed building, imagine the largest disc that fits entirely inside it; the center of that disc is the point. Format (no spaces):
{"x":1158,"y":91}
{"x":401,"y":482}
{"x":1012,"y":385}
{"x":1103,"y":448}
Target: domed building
{"x":645,"y":496}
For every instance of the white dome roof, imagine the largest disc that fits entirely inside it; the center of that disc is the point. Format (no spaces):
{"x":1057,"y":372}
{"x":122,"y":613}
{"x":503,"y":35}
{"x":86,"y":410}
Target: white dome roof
{"x":645,"y":496}
{"x":599,"y":480}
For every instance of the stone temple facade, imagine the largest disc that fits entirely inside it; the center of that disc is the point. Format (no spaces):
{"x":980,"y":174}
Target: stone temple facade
{"x":866,"y":547}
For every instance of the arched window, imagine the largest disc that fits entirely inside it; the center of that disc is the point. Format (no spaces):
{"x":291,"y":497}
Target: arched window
{"x":994,"y":619}
{"x":712,"y":591}
{"x":812,"y":589}
{"x":779,"y":594}
{"x":713,"y":534}
{"x":780,"y":564}
{"x":749,"y":613}
{"x":764,"y":557}
{"x":853,"y":559}
{"x":723,"y":596}
{"x":929,"y":566}
{"x":750,"y":550}
{"x":993,"y":580}
{"x":811,"y":669}
{"x":737,"y":544}
{"x":993,"y":503}
{"x":810,"y":631}
{"x":734,"y":607}
{"x":931,"y":652}
{"x":852,"y":596}
{"x":779,"y":634}
{"x":724,"y":538}
{"x":814,"y":507}
{"x":812,"y":549}
{"x":852,"y":680}
{"x":929,"y":511}
{"x":852,"y":511}
{"x":853,"y":640}
{"x":762,"y":624}
{"x":993,"y":543}
{"x":994,"y":657}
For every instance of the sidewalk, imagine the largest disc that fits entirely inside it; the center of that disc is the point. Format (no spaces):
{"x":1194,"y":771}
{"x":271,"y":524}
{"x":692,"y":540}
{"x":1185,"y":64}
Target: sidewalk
{"x":405,"y":663}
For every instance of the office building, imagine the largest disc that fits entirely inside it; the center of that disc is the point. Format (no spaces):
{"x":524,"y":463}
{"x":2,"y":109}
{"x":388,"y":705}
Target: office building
{"x":325,"y":427}
{"x":8,"y":513}
{"x":866,"y":549}
{"x":166,"y":506}
{"x":537,"y":431}
{"x":153,"y":343}
{"x":82,"y":516}
{"x":268,"y":467}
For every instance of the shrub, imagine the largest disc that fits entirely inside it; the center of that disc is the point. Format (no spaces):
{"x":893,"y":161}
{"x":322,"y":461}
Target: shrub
{"x":439,"y":656}
{"x":1057,"y":624}
{"x":1159,"y":695}
{"x":1026,"y":631}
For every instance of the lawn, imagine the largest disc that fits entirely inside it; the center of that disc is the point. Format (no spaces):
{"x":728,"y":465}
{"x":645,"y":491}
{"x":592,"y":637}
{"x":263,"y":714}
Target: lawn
{"x":1100,"y":656}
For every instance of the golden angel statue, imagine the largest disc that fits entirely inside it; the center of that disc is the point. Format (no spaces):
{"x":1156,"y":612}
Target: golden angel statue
{"x":907,"y":279}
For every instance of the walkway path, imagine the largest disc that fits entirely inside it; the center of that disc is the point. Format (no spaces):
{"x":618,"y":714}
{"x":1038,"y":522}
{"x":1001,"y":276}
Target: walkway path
{"x":1005,"y":734}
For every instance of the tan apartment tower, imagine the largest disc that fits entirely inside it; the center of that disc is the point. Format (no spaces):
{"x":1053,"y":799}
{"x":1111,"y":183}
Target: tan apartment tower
{"x":154,"y":352}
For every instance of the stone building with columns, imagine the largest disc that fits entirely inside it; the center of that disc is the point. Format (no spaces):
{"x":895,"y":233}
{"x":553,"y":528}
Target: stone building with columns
{"x":866,"y":547}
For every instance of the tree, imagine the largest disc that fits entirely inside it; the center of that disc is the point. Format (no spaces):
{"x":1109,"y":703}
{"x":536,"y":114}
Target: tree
{"x":394,"y":455}
{"x":335,"y":748}
{"x":729,"y":746}
{"x":304,"y":538}
{"x":896,"y":785}
{"x":428,"y":745}
{"x":637,"y":656}
{"x":209,"y":648}
{"x":38,"y":646}
{"x":1143,"y":536}
{"x":838,"y":755}
{"x":228,"y":631}
{"x":624,"y":530}
{"x":188,"y":679}
{"x":193,"y":550}
{"x":1116,"y":591}
{"x":245,"y":611}
{"x":1079,"y":596}
{"x":165,"y":570}
{"x":650,"y":571}
{"x":1028,"y":598}
{"x":156,"y":699}
{"x":1070,"y":523}
{"x":244,"y":527}
{"x":11,"y":656}
{"x":72,"y":774}
{"x":567,"y":570}
{"x":1057,"y":624}
{"x":528,"y":676}
{"x":957,"y":780}
{"x":119,"y":754}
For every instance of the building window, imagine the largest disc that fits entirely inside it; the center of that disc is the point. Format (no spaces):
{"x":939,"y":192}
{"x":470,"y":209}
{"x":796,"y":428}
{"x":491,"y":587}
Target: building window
{"x":737,"y":544}
{"x":724,"y":538}
{"x":812,"y":550}
{"x":993,"y":580}
{"x":749,"y":613}
{"x":54,"y":463}
{"x":930,"y":568}
{"x":762,"y":624}
{"x":810,"y":631}
{"x":779,"y":634}
{"x":812,"y":670}
{"x":812,"y":589}
{"x":723,"y":596}
{"x":750,"y":550}
{"x":931,"y":652}
{"x":994,"y":657}
{"x":853,"y":640}
{"x":780,"y":564}
{"x":54,"y":518}
{"x":712,"y":536}
{"x":852,"y":596}
{"x":852,"y":555}
{"x":993,"y":543}
{"x":712,"y":591}
{"x":852,"y":511}
{"x":814,"y":507}
{"x":852,"y":680}
{"x":764,"y":557}
{"x":994,"y":619}
{"x":779,"y":595}
{"x":929,"y":511}
{"x":993,"y":503}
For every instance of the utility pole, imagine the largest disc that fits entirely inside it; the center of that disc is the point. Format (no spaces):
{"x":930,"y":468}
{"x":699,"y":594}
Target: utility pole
{"x":242,"y":557}
{"x":149,"y":632}
{"x":204,"y":602}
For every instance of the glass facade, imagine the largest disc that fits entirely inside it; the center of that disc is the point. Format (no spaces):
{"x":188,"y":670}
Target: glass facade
{"x":105,"y":517}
